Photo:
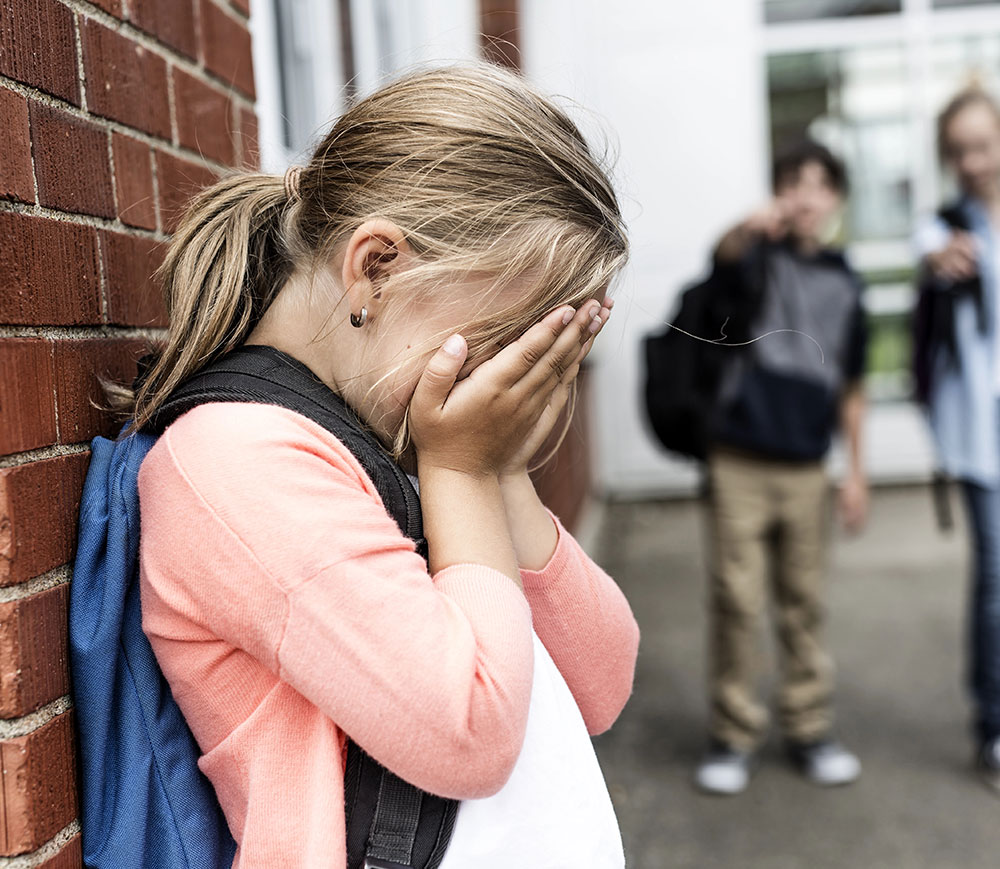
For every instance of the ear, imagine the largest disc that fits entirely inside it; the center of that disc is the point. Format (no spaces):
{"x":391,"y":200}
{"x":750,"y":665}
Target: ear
{"x":374,"y":250}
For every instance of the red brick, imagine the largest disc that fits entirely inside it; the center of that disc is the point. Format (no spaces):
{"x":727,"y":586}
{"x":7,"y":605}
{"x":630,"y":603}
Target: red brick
{"x":178,"y":181}
{"x":249,"y":146}
{"x":70,"y":857}
{"x":170,"y":21}
{"x":27,"y":395}
{"x":15,"y":145}
{"x":38,"y":509}
{"x":499,"y":32}
{"x":134,"y":181}
{"x":39,"y":789}
{"x":113,"y":7}
{"x":134,"y":297}
{"x":125,"y":82}
{"x":33,"y":642}
{"x":226,"y":45}
{"x":72,"y":166}
{"x":80,"y":365}
{"x":38,"y":46}
{"x":203,"y":118}
{"x":48,"y":272}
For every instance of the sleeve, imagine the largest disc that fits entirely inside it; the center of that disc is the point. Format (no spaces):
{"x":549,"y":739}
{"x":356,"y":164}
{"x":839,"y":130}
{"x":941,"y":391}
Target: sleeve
{"x":587,"y":626}
{"x":931,"y":235}
{"x":263,"y":528}
{"x":856,"y":356}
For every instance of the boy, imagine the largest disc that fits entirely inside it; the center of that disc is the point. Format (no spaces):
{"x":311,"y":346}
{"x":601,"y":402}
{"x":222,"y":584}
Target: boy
{"x":780,"y":400}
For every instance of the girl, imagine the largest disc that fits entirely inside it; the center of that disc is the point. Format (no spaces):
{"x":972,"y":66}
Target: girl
{"x":441,"y":263}
{"x":960,"y":253}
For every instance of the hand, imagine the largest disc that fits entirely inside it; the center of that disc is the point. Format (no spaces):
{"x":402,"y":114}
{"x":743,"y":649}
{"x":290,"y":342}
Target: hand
{"x":854,"y":498}
{"x":956,"y":261}
{"x":553,"y":410}
{"x":478,"y":425}
{"x":770,"y":222}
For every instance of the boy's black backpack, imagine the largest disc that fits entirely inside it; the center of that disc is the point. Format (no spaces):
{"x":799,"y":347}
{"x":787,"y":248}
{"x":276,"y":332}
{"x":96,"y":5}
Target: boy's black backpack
{"x":145,"y":803}
{"x":683,"y":373}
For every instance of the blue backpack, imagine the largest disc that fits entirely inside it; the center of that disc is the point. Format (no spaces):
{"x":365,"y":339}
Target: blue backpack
{"x":145,"y":803}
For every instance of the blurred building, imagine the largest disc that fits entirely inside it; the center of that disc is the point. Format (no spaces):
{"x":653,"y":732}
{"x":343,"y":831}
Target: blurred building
{"x":692,"y":99}
{"x":699,"y":96}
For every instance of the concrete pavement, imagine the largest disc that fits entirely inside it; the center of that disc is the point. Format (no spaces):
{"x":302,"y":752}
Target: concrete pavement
{"x":897,"y":597}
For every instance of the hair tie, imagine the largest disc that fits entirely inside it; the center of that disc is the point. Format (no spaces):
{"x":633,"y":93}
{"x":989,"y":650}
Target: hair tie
{"x":292,"y":174}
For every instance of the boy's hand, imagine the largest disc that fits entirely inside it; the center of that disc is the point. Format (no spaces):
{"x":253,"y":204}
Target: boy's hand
{"x":956,"y":261}
{"x":854,"y":499}
{"x":479,"y":425}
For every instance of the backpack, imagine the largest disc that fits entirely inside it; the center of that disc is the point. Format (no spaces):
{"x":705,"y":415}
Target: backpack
{"x":683,"y":374}
{"x":145,"y":803}
{"x":933,"y":319}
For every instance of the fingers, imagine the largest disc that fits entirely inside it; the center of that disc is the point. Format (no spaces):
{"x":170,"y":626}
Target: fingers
{"x":604,"y":314}
{"x":553,"y":365}
{"x":958,"y":261}
{"x":441,"y":372}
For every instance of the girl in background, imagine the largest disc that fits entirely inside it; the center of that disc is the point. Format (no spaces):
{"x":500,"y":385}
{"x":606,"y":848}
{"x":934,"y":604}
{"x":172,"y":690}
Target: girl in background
{"x":960,"y":257}
{"x":441,"y":263}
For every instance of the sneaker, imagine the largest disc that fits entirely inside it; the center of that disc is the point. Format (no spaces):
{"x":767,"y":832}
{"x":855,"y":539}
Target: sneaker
{"x":825,"y":762}
{"x":988,"y":763}
{"x":724,"y":770}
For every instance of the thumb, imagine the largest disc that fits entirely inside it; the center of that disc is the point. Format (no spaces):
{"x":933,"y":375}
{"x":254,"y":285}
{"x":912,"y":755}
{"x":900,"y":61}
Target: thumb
{"x":442,"y":370}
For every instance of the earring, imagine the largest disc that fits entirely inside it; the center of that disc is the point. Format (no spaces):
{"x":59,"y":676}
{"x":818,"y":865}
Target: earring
{"x":358,"y":320}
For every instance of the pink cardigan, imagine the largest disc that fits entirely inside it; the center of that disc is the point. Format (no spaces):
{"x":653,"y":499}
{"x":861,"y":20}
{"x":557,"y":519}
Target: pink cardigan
{"x":286,"y":609}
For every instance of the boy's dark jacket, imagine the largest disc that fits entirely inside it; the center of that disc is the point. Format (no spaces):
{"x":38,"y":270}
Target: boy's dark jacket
{"x":683,"y":375}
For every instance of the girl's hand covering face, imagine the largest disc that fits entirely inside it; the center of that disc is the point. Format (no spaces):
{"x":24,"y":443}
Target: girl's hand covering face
{"x":484,"y":424}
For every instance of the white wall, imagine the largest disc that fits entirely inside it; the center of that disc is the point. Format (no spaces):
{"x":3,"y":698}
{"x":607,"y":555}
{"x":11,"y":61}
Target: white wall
{"x":680,"y":89}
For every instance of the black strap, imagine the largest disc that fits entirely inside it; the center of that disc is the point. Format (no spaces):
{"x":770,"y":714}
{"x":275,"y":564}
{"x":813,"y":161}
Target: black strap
{"x":394,"y":828}
{"x":265,"y":375}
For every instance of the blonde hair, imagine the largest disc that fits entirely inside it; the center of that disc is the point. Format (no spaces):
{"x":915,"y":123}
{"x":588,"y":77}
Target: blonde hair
{"x":975,"y":94}
{"x":487,"y":179}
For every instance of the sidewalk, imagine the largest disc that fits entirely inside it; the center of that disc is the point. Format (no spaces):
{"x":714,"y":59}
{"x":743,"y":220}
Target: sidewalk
{"x":897,"y":603}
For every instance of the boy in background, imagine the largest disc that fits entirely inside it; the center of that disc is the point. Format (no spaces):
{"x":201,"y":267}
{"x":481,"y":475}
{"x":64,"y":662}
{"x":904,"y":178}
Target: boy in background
{"x":780,"y":400}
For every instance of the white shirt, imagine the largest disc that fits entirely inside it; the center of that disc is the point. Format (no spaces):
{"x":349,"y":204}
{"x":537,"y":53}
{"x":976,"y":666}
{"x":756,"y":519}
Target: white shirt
{"x":554,"y":812}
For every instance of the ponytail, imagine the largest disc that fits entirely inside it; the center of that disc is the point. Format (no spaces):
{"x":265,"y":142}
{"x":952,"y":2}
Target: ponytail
{"x":226,"y":263}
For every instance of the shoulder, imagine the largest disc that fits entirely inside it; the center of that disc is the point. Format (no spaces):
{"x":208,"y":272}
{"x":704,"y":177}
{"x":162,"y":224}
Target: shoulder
{"x":219,"y":448}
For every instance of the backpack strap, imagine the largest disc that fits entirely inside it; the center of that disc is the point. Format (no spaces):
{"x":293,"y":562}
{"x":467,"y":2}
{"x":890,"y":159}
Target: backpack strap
{"x":262,"y":374}
{"x":390,"y":823}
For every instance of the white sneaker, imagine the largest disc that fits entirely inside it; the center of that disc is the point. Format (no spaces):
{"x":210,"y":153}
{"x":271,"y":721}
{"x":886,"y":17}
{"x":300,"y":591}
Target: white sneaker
{"x":988,"y":763}
{"x":825,"y":762}
{"x":724,"y":770}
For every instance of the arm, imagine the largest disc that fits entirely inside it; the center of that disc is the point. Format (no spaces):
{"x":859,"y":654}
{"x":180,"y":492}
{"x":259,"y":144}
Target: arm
{"x":769,"y":222}
{"x":854,"y":490}
{"x":300,"y":566}
{"x":587,"y":626}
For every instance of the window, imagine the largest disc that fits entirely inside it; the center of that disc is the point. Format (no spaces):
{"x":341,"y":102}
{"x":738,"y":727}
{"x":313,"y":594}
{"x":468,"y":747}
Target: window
{"x":312,"y":57}
{"x":854,"y":101}
{"x":946,"y":4}
{"x":776,"y":11}
{"x":871,"y":94}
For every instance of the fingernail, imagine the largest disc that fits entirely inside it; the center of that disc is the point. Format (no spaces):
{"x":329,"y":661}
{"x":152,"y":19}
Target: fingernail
{"x":567,"y":316}
{"x":595,"y":308}
{"x":595,"y":324}
{"x":454,"y":345}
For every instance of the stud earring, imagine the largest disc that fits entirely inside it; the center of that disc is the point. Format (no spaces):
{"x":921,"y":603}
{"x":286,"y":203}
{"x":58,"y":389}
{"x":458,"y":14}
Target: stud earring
{"x":358,"y":320}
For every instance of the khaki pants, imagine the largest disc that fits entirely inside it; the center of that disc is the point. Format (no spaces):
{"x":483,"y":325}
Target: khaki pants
{"x":767,"y":519}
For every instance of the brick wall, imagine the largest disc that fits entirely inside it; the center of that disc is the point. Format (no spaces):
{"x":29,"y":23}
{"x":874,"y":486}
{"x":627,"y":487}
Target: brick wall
{"x":111,"y":113}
